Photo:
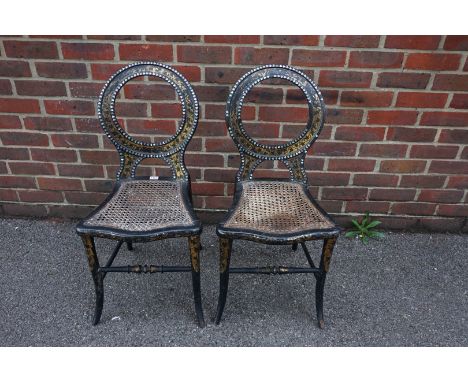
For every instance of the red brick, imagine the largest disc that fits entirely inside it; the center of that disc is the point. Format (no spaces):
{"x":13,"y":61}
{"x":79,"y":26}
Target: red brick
{"x":154,"y":52}
{"x":359,"y":133}
{"x":226,"y":175}
{"x":332,"y":206}
{"x":9,"y":181}
{"x":214,"y":111}
{"x":314,"y":164}
{"x":458,"y":182}
{"x":366,"y":98}
{"x":375,"y":59}
{"x":453,"y":210}
{"x":103,"y":72}
{"x":204,"y":54}
{"x":3,"y":168}
{"x":5,"y":87}
{"x":218,"y":202}
{"x":204,"y":188}
{"x":14,"y":69}
{"x":61,"y":70}
{"x":59,"y":184}
{"x":52,"y":155}
{"x":413,"y":208}
{"x":403,"y":80}
{"x":422,"y":181}
{"x":291,"y":40}
{"x":14,"y":153}
{"x":166,"y":110}
{"x":459,"y":136}
{"x":386,"y":150}
{"x":451,"y":82}
{"x":174,"y":38}
{"x":41,"y":88}
{"x":344,"y":116}
{"x":402,"y":166}
{"x":344,"y":79}
{"x":392,"y":194}
{"x":9,"y":105}
{"x":220,"y":145}
{"x":346,"y":193}
{"x":204,"y":160}
{"x":17,"y":209}
{"x":35,"y":196}
{"x":57,"y":37}
{"x":433,"y":152}
{"x":440,"y":196}
{"x":459,"y":101}
{"x":260,"y":131}
{"x":114,"y":37}
{"x":421,"y":99}
{"x":260,"y":56}
{"x":411,"y":134}
{"x":366,"y":41}
{"x":9,"y":122}
{"x":283,"y":114}
{"x":85,"y":198}
{"x":75,"y":140}
{"x":32,"y":168}
{"x":412,"y":42}
{"x":99,"y":157}
{"x":440,"y":118}
{"x":464,"y":154}
{"x":353,"y":165}
{"x":85,"y":89}
{"x":328,"y":179}
{"x":449,"y":167}
{"x":264,"y":95}
{"x":223,"y":75}
{"x":8,"y":195}
{"x":150,"y":91}
{"x":391,"y":117}
{"x":315,"y":58}
{"x":87,"y":125}
{"x":30,"y":49}
{"x":211,"y":93}
{"x":433,"y":61}
{"x":69,"y":107}
{"x":130,"y":109}
{"x":375,"y":180}
{"x":87,"y":51}
{"x":334,"y":148}
{"x":47,"y":123}
{"x":81,"y":170}
{"x":99,"y":185}
{"x":24,"y":139}
{"x":232,"y":39}
{"x":330,"y":97}
{"x":206,"y":128}
{"x":456,"y":43}
{"x":366,"y":206}
{"x":191,"y":73}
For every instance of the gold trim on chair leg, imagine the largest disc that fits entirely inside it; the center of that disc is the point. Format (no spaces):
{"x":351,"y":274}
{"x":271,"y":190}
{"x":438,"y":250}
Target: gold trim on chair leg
{"x":327,"y":251}
{"x":194,"y":245}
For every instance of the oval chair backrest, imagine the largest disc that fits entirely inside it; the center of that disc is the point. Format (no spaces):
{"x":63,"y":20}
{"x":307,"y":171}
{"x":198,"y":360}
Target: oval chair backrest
{"x":292,"y":153}
{"x":132,"y":151}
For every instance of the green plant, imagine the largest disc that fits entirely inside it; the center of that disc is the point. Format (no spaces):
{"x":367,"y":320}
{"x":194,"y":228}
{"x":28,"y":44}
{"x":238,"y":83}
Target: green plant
{"x":365,"y":229}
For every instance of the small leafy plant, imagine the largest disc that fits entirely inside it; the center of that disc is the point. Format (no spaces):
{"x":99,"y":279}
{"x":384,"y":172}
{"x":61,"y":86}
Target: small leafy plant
{"x":365,"y":229}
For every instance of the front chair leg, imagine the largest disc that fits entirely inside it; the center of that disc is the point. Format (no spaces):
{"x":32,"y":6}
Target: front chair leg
{"x":194,"y":244}
{"x":93,"y":263}
{"x":327,"y":251}
{"x":225,"y":246}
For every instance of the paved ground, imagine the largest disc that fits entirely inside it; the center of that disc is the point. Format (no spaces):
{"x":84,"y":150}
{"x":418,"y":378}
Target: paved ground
{"x":404,"y":290}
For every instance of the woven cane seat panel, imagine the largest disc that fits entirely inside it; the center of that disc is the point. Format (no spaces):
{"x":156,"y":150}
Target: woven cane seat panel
{"x":276,"y":208}
{"x":144,"y":205}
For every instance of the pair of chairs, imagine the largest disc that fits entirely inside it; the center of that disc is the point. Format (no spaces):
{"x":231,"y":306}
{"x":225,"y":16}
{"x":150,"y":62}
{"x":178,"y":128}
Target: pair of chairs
{"x":271,"y":211}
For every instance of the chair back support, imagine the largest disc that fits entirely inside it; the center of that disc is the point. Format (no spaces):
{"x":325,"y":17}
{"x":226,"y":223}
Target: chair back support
{"x":133,"y":151}
{"x":292,"y":153}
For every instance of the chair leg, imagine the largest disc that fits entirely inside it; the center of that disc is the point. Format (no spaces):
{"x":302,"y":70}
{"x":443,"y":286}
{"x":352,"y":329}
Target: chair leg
{"x":194,"y":245}
{"x":294,"y":247}
{"x":93,"y":263}
{"x":225,"y":246}
{"x":130,"y":245}
{"x":327,"y":251}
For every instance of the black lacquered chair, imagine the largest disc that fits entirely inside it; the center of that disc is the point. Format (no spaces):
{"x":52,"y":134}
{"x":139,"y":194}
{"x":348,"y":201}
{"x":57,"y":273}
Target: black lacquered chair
{"x":275,"y":211}
{"x":142,"y":209}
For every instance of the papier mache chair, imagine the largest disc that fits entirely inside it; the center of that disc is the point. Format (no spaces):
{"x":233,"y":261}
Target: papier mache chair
{"x":142,"y":209}
{"x":275,"y":211}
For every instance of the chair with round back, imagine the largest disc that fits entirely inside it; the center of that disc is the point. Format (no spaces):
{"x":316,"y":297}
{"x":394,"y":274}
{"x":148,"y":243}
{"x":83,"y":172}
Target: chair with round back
{"x":142,"y":209}
{"x":275,"y":211}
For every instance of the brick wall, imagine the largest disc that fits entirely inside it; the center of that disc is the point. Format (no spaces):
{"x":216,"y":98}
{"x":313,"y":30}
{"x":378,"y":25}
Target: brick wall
{"x":395,"y":141}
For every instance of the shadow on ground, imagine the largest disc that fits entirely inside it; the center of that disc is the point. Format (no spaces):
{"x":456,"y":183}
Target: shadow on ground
{"x":404,"y":290}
